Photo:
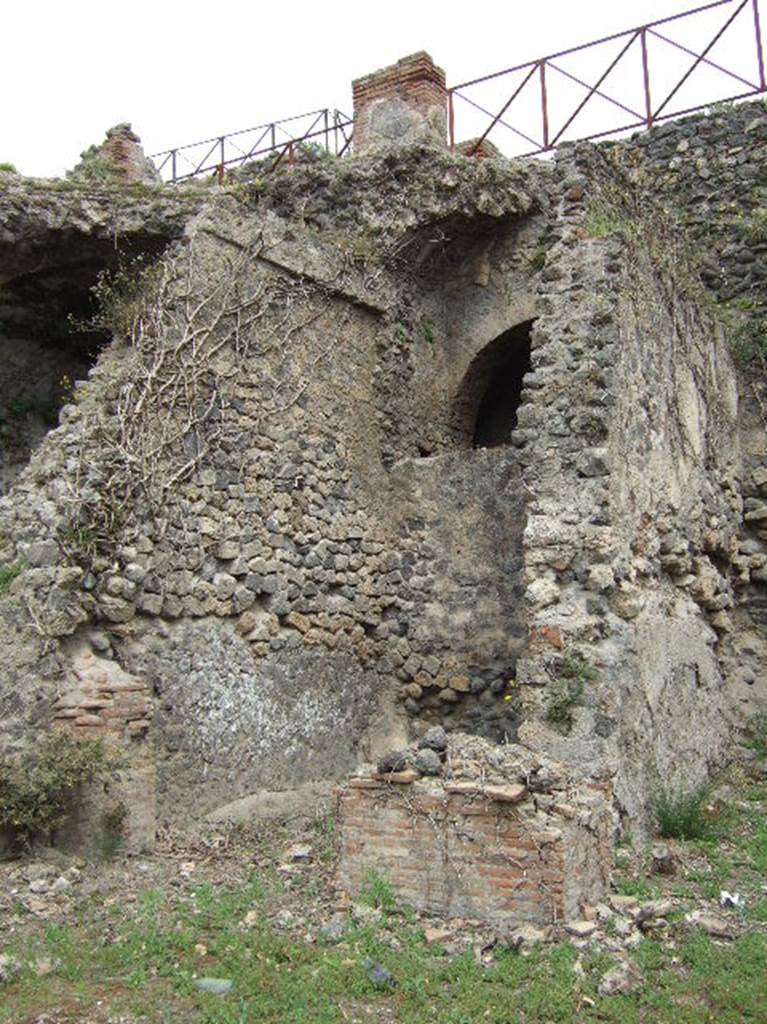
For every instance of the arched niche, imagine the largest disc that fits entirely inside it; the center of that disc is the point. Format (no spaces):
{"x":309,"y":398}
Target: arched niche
{"x":487,"y":402}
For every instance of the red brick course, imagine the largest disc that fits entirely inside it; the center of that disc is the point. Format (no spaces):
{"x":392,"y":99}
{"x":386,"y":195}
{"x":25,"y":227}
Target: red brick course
{"x":471,"y":855}
{"x":416,"y":83}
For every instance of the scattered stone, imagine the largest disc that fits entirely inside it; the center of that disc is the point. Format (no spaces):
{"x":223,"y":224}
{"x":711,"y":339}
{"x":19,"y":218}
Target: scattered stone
{"x":712,"y":925}
{"x":43,"y":967}
{"x":437,"y":935}
{"x":653,"y":909}
{"x":581,"y":929}
{"x":251,"y":919}
{"x":299,"y":853}
{"x":380,"y":976}
{"x":363,"y":914}
{"x":623,"y":904}
{"x":625,"y":977}
{"x":334,"y":929}
{"x":36,"y":906}
{"x":428,"y":762}
{"x":216,"y":986}
{"x":664,"y":861}
{"x":623,"y":927}
{"x":526,"y":935}
{"x":434,"y":739}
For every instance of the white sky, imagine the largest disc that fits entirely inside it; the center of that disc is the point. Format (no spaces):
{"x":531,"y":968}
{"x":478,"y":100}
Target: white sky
{"x":182,"y":70}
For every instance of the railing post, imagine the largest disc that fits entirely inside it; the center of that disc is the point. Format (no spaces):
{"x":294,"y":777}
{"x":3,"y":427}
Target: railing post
{"x":173,"y":166}
{"x":291,"y":157}
{"x":646,"y":75}
{"x":220,"y":174}
{"x":451,"y":120}
{"x":273,"y":136}
{"x":327,"y":133}
{"x":759,"y":51}
{"x":544,"y":103}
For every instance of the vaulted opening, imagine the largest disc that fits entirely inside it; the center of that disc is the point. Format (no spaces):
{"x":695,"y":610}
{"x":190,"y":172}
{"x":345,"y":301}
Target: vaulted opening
{"x":489,"y":399}
{"x":50,"y":336}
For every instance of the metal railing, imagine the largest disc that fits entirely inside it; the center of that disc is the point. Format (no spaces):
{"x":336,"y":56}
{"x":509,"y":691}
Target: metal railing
{"x":538,"y":105}
{"x":644,"y":60}
{"x":330,"y":130}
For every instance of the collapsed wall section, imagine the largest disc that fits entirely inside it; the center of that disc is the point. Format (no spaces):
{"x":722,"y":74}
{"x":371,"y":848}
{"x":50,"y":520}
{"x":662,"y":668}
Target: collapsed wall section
{"x":60,"y":242}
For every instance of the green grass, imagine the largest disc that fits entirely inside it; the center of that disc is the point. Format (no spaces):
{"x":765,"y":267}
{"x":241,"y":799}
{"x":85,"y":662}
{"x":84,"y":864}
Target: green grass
{"x":144,"y":957}
{"x":140,"y":958}
{"x":377,"y":892}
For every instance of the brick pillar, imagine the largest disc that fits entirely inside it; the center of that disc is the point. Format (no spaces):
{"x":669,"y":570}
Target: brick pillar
{"x":406,"y":102}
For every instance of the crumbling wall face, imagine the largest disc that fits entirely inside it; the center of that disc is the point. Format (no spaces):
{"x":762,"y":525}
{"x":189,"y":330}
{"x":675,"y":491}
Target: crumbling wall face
{"x":630,"y":452}
{"x":56,"y":238}
{"x":708,"y":172}
{"x":461,"y":849}
{"x":98,"y":700}
{"x":221,"y":510}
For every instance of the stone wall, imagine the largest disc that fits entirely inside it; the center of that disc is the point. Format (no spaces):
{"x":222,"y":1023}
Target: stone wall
{"x":289,"y":571}
{"x":627,"y":431}
{"x":270,"y":505}
{"x":708,"y":172}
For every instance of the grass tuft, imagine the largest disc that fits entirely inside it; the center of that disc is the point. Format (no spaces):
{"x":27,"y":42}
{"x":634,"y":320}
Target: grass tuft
{"x":680,"y":815}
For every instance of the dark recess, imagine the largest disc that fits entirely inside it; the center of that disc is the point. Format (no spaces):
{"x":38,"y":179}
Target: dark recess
{"x":486,"y":410}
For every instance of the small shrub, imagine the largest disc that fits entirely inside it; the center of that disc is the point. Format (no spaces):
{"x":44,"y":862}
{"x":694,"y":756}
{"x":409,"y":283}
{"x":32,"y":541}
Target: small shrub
{"x":377,"y":892}
{"x":680,"y":815}
{"x":574,"y":672}
{"x":36,"y":788}
{"x":559,"y":707}
{"x":6,"y":168}
{"x":118,"y":296}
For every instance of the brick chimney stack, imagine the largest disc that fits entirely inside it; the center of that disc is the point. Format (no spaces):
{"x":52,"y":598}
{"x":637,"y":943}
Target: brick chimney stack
{"x":406,"y":102}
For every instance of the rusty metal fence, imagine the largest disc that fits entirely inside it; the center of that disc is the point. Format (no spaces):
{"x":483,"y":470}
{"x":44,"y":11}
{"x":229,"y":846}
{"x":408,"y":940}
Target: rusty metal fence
{"x":632,"y":79}
{"x":326,"y":131}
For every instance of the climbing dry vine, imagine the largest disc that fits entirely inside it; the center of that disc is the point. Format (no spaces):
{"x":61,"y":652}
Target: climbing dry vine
{"x":197,"y":323}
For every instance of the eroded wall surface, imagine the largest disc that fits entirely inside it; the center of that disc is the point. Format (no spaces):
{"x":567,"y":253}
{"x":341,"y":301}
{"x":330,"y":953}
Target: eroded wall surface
{"x":268,"y":508}
{"x":265,"y":506}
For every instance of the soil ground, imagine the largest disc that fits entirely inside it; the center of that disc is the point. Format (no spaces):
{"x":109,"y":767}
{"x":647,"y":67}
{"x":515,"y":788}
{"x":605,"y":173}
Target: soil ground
{"x":121,"y":940}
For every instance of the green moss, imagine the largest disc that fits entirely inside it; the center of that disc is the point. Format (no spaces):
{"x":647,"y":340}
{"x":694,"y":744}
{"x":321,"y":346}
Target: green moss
{"x":8,"y":574}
